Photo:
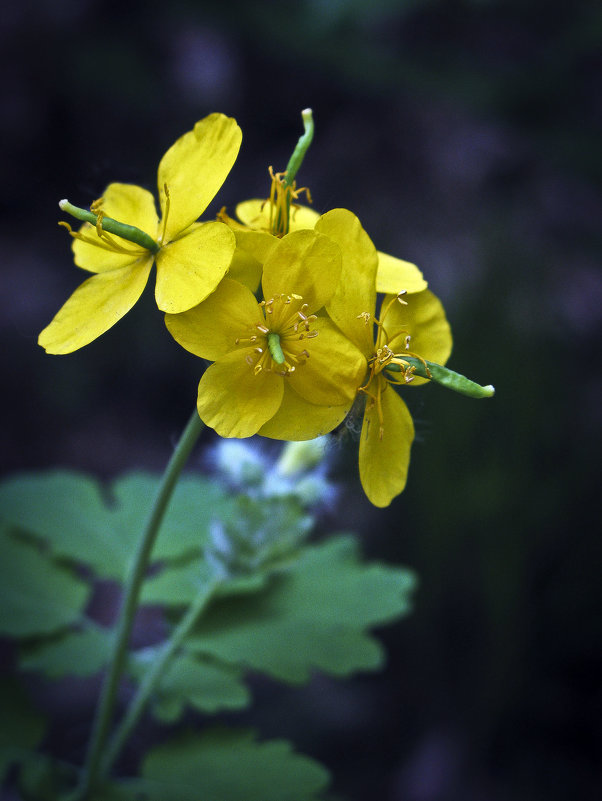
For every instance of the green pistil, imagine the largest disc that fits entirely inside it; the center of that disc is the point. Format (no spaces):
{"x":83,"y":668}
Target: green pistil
{"x":295,"y":161}
{"x":129,"y":232}
{"x":292,"y":168}
{"x":275,"y":348}
{"x":445,"y":377}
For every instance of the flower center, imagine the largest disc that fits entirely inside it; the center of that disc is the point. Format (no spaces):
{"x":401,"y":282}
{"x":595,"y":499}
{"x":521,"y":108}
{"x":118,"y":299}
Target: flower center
{"x":279,"y":341}
{"x":282,"y":196}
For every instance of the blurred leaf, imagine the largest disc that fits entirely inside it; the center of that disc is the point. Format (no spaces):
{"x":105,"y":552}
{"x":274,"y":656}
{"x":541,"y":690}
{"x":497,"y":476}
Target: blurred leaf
{"x":38,"y":596}
{"x":311,"y":616}
{"x":230,"y":766}
{"x":44,"y":778}
{"x":21,"y":726}
{"x":68,"y":512}
{"x":179,"y":585}
{"x":207,"y":687}
{"x":74,"y":653}
{"x":196,"y":501}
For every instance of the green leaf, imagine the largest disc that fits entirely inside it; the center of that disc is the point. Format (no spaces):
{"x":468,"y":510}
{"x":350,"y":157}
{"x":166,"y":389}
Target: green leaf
{"x":230,"y":766}
{"x":43,"y":778}
{"x":179,"y":585}
{"x":207,"y":687}
{"x":73,"y":653}
{"x":68,"y":511}
{"x":21,"y":727}
{"x":195,"y":503}
{"x":37,"y":595}
{"x":312,"y":616}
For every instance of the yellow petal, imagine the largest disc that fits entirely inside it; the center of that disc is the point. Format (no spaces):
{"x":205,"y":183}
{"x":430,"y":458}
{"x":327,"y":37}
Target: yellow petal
{"x":334,"y":370}
{"x":190,"y":268}
{"x":256,"y":214}
{"x":94,"y":307}
{"x":356,"y":292}
{"x":302,"y":217}
{"x":233,"y":400}
{"x":305,"y":263}
{"x":126,"y":203}
{"x":297,"y":419}
{"x":210,"y":329}
{"x":384,"y":462}
{"x":395,"y":275}
{"x":195,"y":167}
{"x":425,"y":321}
{"x":258,"y":244}
{"x":245,"y":269}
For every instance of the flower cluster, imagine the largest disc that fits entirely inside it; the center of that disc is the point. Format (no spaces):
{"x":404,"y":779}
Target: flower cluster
{"x":299,"y":314}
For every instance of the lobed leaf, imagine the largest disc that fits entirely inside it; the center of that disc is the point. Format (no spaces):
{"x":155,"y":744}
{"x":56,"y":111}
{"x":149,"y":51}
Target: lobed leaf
{"x":312,"y":616}
{"x":68,"y":511}
{"x":206,"y":686}
{"x":21,"y":726}
{"x":38,"y":596}
{"x":72,"y":653}
{"x":230,"y":766}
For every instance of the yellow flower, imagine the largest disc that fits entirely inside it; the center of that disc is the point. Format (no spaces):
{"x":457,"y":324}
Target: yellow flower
{"x":387,"y":429}
{"x":266,"y":216}
{"x":191,"y":259}
{"x":279,"y":370}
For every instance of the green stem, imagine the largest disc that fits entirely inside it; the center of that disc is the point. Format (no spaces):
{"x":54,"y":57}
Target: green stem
{"x":129,"y":232}
{"x":106,"y":703}
{"x":152,"y":678}
{"x":296,"y":160}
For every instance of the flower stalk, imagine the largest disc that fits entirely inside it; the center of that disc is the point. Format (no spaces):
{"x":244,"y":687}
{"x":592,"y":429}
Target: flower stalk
{"x":154,"y":675}
{"x":108,"y":696}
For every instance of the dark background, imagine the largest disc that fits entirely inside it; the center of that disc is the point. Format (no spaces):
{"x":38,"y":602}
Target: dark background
{"x":466,"y":137}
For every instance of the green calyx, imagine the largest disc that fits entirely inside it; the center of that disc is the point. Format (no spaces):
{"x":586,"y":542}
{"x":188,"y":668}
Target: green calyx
{"x":445,"y":377}
{"x":275,"y":348}
{"x":111,"y":226}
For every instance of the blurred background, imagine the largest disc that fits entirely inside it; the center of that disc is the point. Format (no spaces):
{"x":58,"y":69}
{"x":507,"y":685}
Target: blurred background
{"x":465,"y":134}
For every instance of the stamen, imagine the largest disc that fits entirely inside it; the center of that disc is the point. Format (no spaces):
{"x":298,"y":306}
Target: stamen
{"x":104,"y":242}
{"x":99,"y":230}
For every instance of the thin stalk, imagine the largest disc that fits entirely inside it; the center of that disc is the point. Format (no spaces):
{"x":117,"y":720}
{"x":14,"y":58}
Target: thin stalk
{"x":152,"y":678}
{"x":106,"y":703}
